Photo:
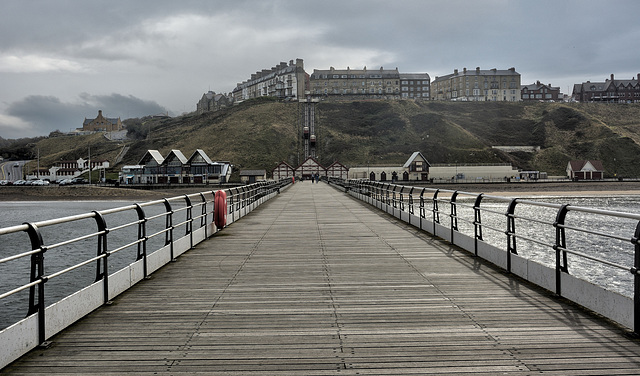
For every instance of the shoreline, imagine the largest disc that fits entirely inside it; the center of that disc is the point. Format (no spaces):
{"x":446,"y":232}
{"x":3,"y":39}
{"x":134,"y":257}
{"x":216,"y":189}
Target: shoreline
{"x":524,"y":189}
{"x":88,"y":193}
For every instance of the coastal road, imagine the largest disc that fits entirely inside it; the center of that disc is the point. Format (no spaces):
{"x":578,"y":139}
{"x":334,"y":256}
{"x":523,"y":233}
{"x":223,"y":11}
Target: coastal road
{"x":11,"y":170}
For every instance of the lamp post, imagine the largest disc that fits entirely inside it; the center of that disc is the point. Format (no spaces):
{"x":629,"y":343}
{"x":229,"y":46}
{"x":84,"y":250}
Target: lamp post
{"x":456,"y":171}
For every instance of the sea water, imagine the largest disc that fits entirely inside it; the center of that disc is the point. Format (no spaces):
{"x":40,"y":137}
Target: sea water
{"x":17,"y":273}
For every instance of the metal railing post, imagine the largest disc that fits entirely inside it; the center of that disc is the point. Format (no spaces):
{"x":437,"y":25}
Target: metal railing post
{"x":511,"y":232}
{"x":560,"y":247}
{"x":411,"y":201}
{"x":636,"y":281}
{"x":203,"y":212}
{"x":102,"y":251}
{"x":168,"y":239}
{"x":37,"y":273}
{"x":394,"y":200}
{"x":189,"y":220}
{"x":477,"y":223}
{"x":142,"y":239}
{"x":387,"y":196}
{"x":436,"y":213}
{"x":454,"y":214}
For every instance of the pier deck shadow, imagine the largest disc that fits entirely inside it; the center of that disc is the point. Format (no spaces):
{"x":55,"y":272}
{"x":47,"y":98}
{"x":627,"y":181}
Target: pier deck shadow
{"x":317,"y":283}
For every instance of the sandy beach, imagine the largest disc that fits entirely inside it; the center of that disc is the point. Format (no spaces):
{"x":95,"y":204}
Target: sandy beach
{"x":520,"y":189}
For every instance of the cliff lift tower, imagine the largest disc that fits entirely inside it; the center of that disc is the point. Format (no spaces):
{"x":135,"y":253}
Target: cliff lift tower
{"x":308,"y":120}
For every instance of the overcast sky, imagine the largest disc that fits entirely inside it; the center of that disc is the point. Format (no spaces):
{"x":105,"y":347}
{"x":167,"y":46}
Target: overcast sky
{"x":63,"y":60}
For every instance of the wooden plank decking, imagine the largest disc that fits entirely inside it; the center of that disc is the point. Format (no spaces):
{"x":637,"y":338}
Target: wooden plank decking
{"x":316,"y":283}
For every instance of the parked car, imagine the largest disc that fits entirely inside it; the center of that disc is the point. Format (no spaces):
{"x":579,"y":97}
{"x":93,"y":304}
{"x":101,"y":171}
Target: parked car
{"x":20,"y":182}
{"x":79,"y":181}
{"x":4,"y":182}
{"x":39,"y":182}
{"x":65,"y":182}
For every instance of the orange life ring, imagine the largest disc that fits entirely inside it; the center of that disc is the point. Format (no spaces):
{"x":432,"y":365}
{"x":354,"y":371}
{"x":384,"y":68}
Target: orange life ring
{"x":220,"y":209}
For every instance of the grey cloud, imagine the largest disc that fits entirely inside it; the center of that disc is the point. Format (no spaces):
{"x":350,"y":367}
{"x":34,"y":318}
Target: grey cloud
{"x":48,"y":113}
{"x":173,"y":51}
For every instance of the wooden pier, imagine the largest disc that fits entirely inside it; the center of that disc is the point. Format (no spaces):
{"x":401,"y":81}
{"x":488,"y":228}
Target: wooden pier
{"x":317,"y":283}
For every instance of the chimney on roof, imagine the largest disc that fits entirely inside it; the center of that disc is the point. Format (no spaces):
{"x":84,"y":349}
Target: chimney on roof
{"x":638,"y":76}
{"x":464,"y":70}
{"x":611,"y":76}
{"x":477,"y":70}
{"x":537,"y":82}
{"x":512,"y":69}
{"x":99,"y":113}
{"x":455,"y":71}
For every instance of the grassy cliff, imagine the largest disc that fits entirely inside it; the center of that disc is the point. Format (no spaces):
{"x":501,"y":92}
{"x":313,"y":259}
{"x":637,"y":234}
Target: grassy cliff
{"x":259,"y":134}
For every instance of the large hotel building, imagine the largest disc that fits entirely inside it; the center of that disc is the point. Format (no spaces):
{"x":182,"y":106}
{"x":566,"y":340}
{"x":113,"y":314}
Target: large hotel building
{"x":478,"y":85}
{"x":378,"y":83}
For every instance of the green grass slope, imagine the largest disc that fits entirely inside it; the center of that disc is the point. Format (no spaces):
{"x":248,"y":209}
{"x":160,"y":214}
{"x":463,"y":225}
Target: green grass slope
{"x":259,"y":134}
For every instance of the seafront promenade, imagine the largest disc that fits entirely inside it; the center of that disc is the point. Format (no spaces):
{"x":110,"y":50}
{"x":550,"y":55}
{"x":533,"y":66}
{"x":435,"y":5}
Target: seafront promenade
{"x":316,"y":283}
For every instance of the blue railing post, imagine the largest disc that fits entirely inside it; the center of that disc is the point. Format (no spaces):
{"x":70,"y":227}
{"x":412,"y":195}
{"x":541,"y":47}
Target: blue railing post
{"x":560,"y":247}
{"x":477,"y":222}
{"x":142,"y":239}
{"x":102,"y":273}
{"x":511,"y":232}
{"x":37,"y":274}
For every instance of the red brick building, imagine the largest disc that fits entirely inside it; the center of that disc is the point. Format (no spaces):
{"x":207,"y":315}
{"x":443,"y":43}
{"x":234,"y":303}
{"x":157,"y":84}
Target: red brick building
{"x":540,"y":92}
{"x":611,"y":90}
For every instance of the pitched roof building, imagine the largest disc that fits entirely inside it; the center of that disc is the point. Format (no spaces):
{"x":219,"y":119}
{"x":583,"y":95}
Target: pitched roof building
{"x":478,"y":85}
{"x":585,"y":170}
{"x":366,"y":83}
{"x":284,"y":81}
{"x":211,"y":101}
{"x":540,"y":92}
{"x":101,"y":123}
{"x":611,"y":90}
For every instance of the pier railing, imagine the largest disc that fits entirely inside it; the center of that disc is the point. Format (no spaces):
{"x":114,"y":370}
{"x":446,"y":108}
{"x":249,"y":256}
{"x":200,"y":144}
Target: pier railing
{"x":588,"y":255}
{"x":110,"y":249}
